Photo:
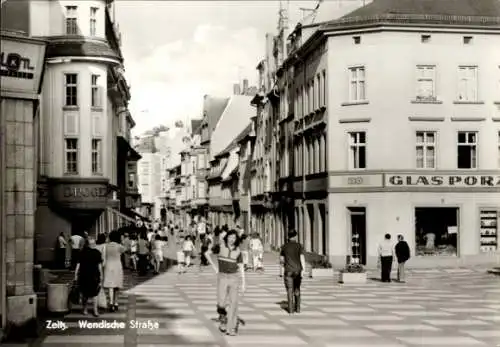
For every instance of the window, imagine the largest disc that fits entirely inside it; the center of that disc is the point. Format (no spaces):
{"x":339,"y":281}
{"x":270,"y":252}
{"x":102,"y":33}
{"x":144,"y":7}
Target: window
{"x":426,"y":82}
{"x":71,"y":151}
{"x":467,"y":40}
{"x":425,"y":38}
{"x":357,"y":84}
{"x":71,"y":20}
{"x":71,"y":89}
{"x":467,"y":150}
{"x":357,"y":150}
{"x":131,"y":180}
{"x":305,"y":100}
{"x":498,"y":149}
{"x":324,"y":89}
{"x":96,"y":91}
{"x":311,"y":96}
{"x":426,"y":150}
{"x":356,"y":40}
{"x":467,"y":83}
{"x":96,"y":156}
{"x":93,"y":20}
{"x":317,"y":94}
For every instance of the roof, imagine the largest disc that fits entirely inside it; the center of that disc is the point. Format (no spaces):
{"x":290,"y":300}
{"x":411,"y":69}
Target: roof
{"x":80,"y":47}
{"x":233,"y":121}
{"x":213,"y":107}
{"x":237,"y":140}
{"x":482,"y":8}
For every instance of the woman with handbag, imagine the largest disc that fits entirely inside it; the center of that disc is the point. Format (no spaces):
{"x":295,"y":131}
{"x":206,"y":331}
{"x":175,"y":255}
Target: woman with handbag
{"x":88,"y":275}
{"x":113,"y":270}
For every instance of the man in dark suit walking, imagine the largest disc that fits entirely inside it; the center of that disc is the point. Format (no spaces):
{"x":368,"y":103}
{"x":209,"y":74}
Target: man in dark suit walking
{"x":402,"y":255}
{"x":293,"y":265}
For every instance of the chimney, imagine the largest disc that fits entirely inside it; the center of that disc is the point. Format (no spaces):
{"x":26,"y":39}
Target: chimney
{"x":245,"y":86}
{"x":236,"y":89}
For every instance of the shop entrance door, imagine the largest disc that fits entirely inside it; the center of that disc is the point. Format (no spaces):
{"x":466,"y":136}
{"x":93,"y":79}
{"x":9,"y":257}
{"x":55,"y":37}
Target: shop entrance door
{"x":358,"y":234}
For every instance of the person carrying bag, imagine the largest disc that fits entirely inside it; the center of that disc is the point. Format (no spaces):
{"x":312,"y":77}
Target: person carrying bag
{"x":102,"y":300}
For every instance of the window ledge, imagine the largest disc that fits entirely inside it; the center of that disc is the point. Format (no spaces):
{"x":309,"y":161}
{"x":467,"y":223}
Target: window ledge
{"x":435,"y":102}
{"x":71,"y":108}
{"x":71,"y":174}
{"x":97,"y":174}
{"x":468,"y":102}
{"x":353,"y":103}
{"x":496,"y":102}
{"x":97,"y":108}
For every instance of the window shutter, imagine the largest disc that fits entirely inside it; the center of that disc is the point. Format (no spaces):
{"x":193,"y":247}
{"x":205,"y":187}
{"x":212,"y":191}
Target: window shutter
{"x":70,"y":124}
{"x":96,"y":125}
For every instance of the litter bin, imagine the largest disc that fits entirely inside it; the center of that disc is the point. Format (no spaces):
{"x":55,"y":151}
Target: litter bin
{"x":57,"y":297}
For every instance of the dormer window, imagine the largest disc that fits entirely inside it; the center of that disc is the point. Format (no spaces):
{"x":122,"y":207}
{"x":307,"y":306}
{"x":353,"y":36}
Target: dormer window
{"x":71,"y":20}
{"x":356,"y":40}
{"x":425,"y":38}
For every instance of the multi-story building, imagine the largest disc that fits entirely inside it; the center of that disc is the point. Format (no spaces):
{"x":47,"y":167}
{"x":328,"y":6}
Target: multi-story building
{"x":20,"y":82}
{"x":83,"y":99}
{"x":265,"y":219}
{"x":412,"y":157}
{"x":245,"y":141}
{"x":224,"y":157}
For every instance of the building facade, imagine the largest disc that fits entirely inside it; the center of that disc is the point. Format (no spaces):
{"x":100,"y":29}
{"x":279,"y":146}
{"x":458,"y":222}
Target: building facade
{"x":411,"y":158}
{"x":21,"y":78}
{"x":84,"y":92}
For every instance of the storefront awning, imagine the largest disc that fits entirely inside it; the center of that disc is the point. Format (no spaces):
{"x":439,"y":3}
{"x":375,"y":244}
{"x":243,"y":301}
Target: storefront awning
{"x":232,"y":164}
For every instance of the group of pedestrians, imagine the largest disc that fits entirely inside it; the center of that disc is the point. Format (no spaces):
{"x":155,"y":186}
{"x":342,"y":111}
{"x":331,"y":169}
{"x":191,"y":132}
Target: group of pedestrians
{"x":99,"y":272}
{"x":388,"y":253}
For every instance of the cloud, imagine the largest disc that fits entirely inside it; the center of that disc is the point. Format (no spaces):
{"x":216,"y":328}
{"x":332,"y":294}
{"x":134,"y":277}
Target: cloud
{"x":172,"y":80}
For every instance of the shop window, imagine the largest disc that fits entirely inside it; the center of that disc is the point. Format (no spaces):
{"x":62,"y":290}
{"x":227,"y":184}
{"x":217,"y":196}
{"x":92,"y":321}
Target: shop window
{"x":436,"y":231}
{"x":467,"y":150}
{"x":488,"y":230}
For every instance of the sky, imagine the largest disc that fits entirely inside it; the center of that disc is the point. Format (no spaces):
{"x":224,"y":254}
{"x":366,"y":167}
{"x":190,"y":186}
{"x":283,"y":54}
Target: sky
{"x":177,"y":51}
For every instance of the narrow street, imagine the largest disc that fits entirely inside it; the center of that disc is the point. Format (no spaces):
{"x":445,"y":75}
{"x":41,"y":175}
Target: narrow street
{"x":435,"y":308}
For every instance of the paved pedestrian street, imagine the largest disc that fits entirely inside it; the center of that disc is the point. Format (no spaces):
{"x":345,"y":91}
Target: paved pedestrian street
{"x":435,"y":308}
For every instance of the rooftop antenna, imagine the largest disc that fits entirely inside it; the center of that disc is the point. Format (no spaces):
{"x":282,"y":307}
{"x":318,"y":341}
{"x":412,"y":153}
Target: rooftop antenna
{"x":312,"y":11}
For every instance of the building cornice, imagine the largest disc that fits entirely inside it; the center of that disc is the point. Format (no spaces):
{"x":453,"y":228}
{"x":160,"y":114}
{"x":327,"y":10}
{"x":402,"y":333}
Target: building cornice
{"x":345,"y":26}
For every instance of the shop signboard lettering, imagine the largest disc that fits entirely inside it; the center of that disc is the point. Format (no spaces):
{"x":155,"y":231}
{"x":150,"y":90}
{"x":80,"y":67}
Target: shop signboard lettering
{"x":452,"y":181}
{"x":84,"y":192}
{"x":355,"y":180}
{"x":21,"y":64}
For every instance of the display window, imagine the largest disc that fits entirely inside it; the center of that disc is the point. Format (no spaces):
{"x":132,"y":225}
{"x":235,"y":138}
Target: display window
{"x":436,"y":231}
{"x":488,"y":228}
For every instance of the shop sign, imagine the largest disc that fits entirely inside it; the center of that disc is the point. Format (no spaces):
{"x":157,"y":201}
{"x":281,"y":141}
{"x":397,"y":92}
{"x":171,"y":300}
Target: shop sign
{"x":356,"y":181}
{"x":81,"y":196}
{"x":85,"y":192}
{"x":452,"y":181}
{"x":21,"y":64}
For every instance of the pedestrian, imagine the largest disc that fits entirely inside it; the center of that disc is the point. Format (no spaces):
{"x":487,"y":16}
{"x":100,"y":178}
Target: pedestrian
{"x":229,"y":272}
{"x":257,"y":251}
{"x":245,"y":249}
{"x":157,"y":253}
{"x":133,"y":251}
{"x":127,"y":243}
{"x":61,"y":246}
{"x":88,"y":275}
{"x":293,"y":264}
{"x":402,"y":255}
{"x":142,"y":253}
{"x":188,"y":249}
{"x":77,"y":242}
{"x":113,"y":270}
{"x":386,"y":256}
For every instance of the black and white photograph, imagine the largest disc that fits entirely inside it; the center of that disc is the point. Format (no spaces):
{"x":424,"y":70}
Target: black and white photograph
{"x":250,"y":173}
